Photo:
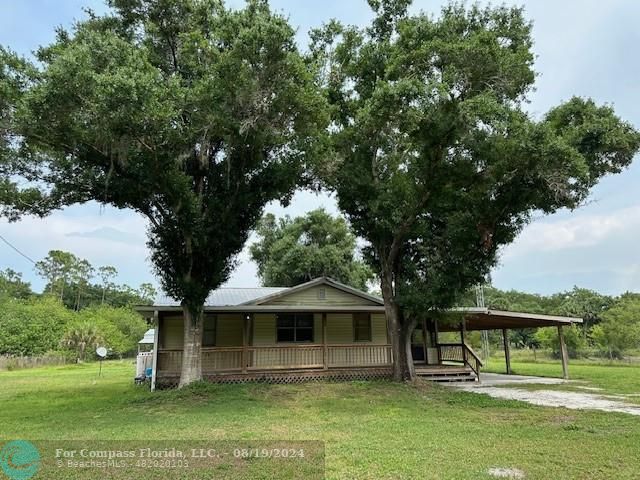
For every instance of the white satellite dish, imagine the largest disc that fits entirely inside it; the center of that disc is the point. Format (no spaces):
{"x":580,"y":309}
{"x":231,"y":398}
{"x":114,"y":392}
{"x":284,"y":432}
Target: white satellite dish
{"x":101,"y":352}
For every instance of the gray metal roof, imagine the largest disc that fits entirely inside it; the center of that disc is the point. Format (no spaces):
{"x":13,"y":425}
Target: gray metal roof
{"x":224,"y":297}
{"x":148,"y":336}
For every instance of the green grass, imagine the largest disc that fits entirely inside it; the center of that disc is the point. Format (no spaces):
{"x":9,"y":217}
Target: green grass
{"x":371,"y":430}
{"x":616,"y":378}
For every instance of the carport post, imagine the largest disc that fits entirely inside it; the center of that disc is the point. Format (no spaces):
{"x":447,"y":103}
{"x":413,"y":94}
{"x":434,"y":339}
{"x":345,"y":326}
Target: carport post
{"x":564,"y":354}
{"x":507,"y":351}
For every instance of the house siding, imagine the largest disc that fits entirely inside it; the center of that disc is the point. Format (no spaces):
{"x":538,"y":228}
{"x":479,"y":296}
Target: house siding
{"x":311,"y":296}
{"x":229,"y":330}
{"x":172,"y":333}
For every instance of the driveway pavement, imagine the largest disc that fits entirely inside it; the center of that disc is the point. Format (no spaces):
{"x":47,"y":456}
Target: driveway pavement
{"x":494,"y":385}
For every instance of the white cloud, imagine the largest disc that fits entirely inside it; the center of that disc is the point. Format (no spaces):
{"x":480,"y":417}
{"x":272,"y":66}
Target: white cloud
{"x":585,"y":230}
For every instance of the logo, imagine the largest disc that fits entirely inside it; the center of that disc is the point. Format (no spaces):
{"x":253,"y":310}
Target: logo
{"x":19,"y":460}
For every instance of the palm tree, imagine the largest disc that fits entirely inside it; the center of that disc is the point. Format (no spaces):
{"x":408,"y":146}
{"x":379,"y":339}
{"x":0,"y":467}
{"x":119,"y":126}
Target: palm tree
{"x":81,"y":337}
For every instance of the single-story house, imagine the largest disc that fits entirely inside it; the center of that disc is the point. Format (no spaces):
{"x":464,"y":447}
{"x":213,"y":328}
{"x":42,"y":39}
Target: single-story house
{"x":320,"y":329}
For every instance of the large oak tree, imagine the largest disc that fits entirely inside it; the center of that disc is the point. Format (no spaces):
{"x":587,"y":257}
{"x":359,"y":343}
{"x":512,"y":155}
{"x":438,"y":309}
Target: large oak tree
{"x":190,"y":113}
{"x":437,"y":163}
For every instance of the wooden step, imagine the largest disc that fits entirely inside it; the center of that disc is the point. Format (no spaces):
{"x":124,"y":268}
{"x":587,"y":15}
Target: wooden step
{"x":446,"y":373}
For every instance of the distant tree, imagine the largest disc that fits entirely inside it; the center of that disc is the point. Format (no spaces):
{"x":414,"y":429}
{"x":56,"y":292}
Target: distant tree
{"x":437,"y":164}
{"x":293,"y":251}
{"x":619,"y":329}
{"x":81,"y":274}
{"x":582,"y":303}
{"x":190,"y":113}
{"x":57,"y":268}
{"x":12,"y":285}
{"x":147,"y":293}
{"x":574,"y":340}
{"x":106,"y":273}
{"x":81,"y":337}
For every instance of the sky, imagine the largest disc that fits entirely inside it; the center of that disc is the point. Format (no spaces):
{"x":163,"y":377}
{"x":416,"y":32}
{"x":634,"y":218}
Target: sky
{"x":583,"y":47}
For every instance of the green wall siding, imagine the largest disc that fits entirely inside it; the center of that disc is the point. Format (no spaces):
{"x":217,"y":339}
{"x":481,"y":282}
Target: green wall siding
{"x":229,"y":330}
{"x":311,"y":296}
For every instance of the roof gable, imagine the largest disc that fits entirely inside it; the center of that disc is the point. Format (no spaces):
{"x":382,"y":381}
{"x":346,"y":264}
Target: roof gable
{"x":321,"y":291}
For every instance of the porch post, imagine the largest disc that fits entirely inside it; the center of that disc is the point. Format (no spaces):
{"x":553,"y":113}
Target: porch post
{"x":507,"y":352}
{"x":563,"y":353}
{"x":245,"y":341}
{"x":424,"y":339}
{"x":436,"y":335}
{"x":154,"y":361}
{"x":463,"y":330}
{"x":325,"y":349}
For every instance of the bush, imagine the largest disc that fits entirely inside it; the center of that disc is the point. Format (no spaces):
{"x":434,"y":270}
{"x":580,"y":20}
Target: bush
{"x":573,"y":337}
{"x":120,"y":329}
{"x":32,"y":327}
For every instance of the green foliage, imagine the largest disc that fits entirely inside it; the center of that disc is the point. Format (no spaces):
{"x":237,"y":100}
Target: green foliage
{"x":293,"y":251}
{"x":193,"y":114}
{"x":620,"y":327}
{"x":69,"y":278}
{"x":575,"y":341}
{"x":12,"y":285}
{"x":119,"y":328}
{"x":81,"y":337}
{"x":33,"y":326}
{"x":437,"y":164}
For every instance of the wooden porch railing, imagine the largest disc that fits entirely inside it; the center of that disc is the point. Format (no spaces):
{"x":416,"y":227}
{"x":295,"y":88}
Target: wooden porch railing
{"x":281,"y":357}
{"x":460,"y":353}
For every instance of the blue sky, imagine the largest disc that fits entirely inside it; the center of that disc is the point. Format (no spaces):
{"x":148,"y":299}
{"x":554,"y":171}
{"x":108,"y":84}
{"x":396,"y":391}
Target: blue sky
{"x":583,"y":47}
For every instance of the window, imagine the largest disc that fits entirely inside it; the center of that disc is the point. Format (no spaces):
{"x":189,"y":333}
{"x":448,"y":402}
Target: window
{"x":322,"y":294}
{"x":361,"y":327}
{"x":295,"y":327}
{"x":209,"y":331}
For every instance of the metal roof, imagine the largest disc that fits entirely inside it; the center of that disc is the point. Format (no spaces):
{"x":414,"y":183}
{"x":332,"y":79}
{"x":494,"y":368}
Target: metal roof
{"x":148,"y":336}
{"x":226,"y":297}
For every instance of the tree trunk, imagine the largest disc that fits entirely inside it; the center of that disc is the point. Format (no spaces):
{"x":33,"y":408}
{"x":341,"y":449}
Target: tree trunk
{"x":400,"y":336}
{"x":192,"y":350}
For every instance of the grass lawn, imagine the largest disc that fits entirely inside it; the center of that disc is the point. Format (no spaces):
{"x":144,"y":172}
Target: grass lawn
{"x":373,"y":430}
{"x":616,"y":378}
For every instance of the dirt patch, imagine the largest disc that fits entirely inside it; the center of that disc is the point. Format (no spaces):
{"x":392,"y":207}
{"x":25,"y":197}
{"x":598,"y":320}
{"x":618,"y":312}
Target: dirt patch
{"x":506,"y":473}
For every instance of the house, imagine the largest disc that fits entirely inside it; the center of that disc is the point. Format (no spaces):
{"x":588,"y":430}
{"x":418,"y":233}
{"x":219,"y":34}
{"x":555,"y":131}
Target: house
{"x":320,"y":329}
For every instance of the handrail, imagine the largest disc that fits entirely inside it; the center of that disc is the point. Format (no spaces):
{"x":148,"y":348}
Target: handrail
{"x":475,"y":366}
{"x":475,"y":355}
{"x":463,"y":353}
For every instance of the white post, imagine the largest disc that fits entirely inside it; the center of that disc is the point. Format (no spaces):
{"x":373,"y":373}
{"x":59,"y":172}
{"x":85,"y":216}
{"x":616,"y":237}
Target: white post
{"x":156,"y":331}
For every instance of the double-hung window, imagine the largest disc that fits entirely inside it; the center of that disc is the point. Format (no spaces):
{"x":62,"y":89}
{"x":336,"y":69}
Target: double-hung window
{"x":209,"y":331}
{"x":295,"y":327}
{"x":361,"y":327}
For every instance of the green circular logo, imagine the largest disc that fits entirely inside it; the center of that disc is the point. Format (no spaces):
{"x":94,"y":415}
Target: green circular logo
{"x":19,"y":460}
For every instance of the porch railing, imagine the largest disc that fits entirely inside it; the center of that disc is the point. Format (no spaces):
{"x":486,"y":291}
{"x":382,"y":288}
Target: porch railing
{"x":280,"y":357}
{"x":460,"y":353}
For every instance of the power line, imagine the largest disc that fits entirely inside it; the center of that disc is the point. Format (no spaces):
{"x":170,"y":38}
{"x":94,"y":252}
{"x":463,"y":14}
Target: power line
{"x":24,"y":255}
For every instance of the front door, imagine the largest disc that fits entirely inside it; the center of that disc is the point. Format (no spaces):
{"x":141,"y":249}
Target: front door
{"x":417,"y":346}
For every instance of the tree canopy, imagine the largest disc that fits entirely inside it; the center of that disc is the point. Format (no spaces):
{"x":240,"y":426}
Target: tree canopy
{"x":293,"y":251}
{"x":437,"y":163}
{"x":185,"y":111}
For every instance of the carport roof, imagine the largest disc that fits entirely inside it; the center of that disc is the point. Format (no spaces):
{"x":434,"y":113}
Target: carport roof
{"x":478,"y":318}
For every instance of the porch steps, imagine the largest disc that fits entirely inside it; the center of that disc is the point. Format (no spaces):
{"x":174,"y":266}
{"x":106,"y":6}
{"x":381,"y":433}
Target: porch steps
{"x":446,"y":373}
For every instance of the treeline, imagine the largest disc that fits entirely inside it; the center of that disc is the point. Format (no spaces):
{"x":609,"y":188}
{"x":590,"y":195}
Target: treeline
{"x":611,"y":324}
{"x":74,"y":314}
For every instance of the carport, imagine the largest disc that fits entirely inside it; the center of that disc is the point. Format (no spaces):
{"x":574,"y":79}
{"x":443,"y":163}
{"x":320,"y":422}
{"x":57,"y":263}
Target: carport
{"x":480,"y":318}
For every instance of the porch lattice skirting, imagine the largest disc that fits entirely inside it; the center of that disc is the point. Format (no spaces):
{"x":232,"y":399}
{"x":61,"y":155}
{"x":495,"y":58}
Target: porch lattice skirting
{"x":291,"y":376}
